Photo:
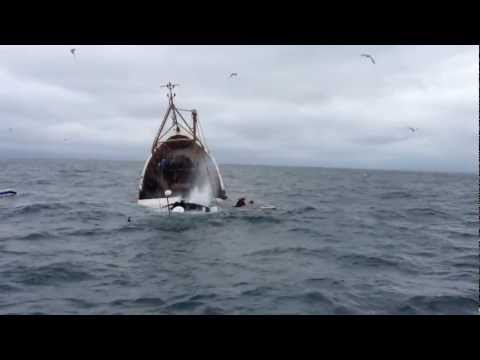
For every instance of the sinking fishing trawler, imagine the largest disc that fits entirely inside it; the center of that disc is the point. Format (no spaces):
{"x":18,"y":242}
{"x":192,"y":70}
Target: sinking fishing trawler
{"x":180,"y":168}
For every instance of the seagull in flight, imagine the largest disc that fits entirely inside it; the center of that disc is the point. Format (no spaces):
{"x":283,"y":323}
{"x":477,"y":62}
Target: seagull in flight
{"x":73,"y":52}
{"x":233,"y":74}
{"x":412,"y":129}
{"x":370,"y":57}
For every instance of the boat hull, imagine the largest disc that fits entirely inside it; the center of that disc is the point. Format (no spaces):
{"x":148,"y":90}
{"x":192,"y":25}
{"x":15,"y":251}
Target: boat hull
{"x":180,"y":165}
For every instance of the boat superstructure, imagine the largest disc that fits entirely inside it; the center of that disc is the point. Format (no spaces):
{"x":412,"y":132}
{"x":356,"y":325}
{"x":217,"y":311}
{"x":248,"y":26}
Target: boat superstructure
{"x":180,"y":160}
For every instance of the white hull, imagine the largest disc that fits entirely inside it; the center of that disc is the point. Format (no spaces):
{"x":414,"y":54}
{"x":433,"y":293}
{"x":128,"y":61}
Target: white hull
{"x":160,"y":206}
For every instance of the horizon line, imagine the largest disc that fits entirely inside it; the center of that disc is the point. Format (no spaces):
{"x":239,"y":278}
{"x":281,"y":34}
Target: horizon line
{"x":242,"y":164}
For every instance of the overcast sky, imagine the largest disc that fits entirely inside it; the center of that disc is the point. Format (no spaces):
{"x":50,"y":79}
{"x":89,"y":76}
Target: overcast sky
{"x":290,"y":105}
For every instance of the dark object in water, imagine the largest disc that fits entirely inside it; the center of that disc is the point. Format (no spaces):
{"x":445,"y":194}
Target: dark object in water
{"x":8,"y":192}
{"x":240,"y":203}
{"x":129,"y":219}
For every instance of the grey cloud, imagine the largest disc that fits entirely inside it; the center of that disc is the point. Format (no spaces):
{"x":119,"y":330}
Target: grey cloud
{"x":379,"y":140}
{"x":297,"y":105}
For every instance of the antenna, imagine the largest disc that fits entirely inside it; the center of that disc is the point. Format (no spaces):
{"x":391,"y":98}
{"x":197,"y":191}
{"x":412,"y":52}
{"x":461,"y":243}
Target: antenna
{"x":170,"y":96}
{"x":170,"y":88}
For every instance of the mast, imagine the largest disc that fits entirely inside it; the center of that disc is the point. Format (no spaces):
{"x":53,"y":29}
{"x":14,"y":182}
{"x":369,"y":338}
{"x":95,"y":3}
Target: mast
{"x":170,"y":88}
{"x":172,"y":107}
{"x":178,"y":121}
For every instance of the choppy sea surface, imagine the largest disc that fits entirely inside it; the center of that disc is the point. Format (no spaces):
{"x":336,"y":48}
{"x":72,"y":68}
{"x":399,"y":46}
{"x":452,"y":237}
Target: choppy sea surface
{"x":340,"y":242}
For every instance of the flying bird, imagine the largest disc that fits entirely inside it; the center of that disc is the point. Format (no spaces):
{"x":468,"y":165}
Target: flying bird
{"x":369,"y":56}
{"x":233,"y":74}
{"x":412,"y":129}
{"x":73,"y":52}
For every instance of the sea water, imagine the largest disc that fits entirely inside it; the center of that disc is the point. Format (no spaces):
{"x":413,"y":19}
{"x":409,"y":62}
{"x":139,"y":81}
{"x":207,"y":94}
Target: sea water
{"x":339,"y":242}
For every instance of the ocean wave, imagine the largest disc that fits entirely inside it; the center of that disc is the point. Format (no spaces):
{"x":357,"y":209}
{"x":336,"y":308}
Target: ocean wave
{"x":463,"y":234}
{"x":306,"y":231}
{"x":213,"y":310}
{"x":254,"y":218}
{"x":258,"y":291}
{"x":87,"y":232}
{"x":199,"y":297}
{"x":93,"y":214}
{"x":443,"y":304}
{"x":7,"y":288}
{"x":40,"y":207}
{"x":465,"y":275}
{"x":316,"y":298}
{"x":396,"y":195}
{"x":314,"y":302}
{"x":343,"y":310}
{"x":175,"y":227}
{"x":139,"y":302}
{"x":52,"y":274}
{"x":323,"y":282}
{"x":73,"y":172}
{"x":385,"y":214}
{"x":468,"y":259}
{"x":369,"y":261}
{"x":290,"y":250}
{"x":80,"y":303}
{"x":37,"y":236}
{"x":182,"y":306}
{"x":427,"y":212}
{"x":301,"y":210}
{"x":13,"y":252}
{"x":43,"y":182}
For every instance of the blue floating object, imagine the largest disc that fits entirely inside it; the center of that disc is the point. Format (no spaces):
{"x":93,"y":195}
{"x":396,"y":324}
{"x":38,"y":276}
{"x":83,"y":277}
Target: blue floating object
{"x":7,"y":192}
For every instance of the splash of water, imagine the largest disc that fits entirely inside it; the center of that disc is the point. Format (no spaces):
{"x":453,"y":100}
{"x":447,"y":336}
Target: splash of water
{"x":201,"y":192}
{"x":201,"y":195}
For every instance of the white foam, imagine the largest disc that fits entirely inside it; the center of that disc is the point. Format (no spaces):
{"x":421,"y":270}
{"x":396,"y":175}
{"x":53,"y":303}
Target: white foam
{"x":200,"y":196}
{"x":159,"y":203}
